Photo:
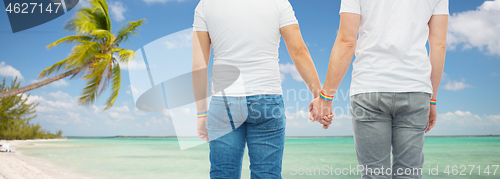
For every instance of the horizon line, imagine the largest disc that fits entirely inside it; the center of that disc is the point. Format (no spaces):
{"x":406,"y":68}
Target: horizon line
{"x":347,"y":136}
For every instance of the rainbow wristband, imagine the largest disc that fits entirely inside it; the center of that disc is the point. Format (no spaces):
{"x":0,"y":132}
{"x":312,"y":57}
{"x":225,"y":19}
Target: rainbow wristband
{"x":203,"y":114}
{"x":433,"y":102}
{"x":326,"y":97}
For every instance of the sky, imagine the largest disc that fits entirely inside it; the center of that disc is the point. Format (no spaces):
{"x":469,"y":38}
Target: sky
{"x":468,"y":100}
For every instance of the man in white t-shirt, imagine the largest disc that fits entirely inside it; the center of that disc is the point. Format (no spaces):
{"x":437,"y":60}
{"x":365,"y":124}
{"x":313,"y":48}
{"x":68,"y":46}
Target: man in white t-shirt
{"x":247,"y":107}
{"x":394,"y":80}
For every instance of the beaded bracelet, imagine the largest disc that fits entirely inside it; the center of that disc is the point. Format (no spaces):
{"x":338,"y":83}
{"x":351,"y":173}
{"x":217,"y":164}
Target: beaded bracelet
{"x":203,"y":114}
{"x":433,"y":102}
{"x":326,"y":97}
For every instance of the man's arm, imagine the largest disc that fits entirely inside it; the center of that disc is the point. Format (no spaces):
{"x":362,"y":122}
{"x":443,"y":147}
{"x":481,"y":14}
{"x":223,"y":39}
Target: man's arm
{"x":340,"y":59}
{"x":342,"y":52}
{"x":438,"y":26}
{"x":201,"y":57}
{"x":301,"y":58}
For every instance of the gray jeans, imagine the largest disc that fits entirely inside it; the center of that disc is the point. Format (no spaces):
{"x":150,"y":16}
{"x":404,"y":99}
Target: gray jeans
{"x":384,"y":120}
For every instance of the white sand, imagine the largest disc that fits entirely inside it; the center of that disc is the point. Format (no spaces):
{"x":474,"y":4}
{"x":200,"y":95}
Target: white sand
{"x":12,"y":167}
{"x":16,"y":166}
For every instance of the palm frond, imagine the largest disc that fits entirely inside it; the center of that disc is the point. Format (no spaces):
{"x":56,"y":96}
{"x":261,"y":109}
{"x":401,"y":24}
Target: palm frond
{"x":100,"y":18}
{"x":54,"y":68}
{"x":115,"y":86}
{"x":90,"y":18}
{"x":102,"y":56}
{"x":96,"y":69}
{"x":124,"y":55}
{"x":106,"y":78}
{"x":102,"y":6}
{"x":90,"y":92}
{"x":82,"y":53}
{"x":70,"y":39}
{"x":83,"y":22}
{"x":102,"y":34}
{"x":128,"y":30}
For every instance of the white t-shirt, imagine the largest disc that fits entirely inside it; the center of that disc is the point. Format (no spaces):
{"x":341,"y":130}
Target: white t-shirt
{"x":246,"y":34}
{"x":391,"y":53}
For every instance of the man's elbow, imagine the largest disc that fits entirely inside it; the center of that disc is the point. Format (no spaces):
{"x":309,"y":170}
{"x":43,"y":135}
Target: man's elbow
{"x":438,"y":47}
{"x":197,"y":65}
{"x":299,"y":52}
{"x":442,"y":46}
{"x":348,"y":43}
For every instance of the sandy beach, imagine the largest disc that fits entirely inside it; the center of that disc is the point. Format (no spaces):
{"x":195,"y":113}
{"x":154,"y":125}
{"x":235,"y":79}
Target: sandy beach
{"x":14,"y":165}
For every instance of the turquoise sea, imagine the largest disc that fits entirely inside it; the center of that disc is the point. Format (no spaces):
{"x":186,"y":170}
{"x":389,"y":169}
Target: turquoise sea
{"x":162,"y":158}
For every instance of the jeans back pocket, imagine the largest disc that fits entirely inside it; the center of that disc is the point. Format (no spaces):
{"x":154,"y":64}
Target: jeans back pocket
{"x":218,"y":117}
{"x":267,"y":114}
{"x":365,"y":107}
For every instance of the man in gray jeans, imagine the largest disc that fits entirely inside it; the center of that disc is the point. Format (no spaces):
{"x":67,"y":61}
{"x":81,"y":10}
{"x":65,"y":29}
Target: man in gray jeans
{"x":394,"y":80}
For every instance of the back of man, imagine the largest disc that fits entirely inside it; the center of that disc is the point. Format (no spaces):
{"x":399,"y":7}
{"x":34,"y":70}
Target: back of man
{"x":391,"y":55}
{"x":393,"y":81}
{"x":246,"y":34}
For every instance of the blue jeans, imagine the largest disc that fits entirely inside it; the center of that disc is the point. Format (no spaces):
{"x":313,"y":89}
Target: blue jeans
{"x":257,"y":121}
{"x":385,"y":120}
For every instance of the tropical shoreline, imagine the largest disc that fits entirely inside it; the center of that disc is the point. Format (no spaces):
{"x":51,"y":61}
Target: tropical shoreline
{"x":110,"y":157}
{"x":15,"y":165}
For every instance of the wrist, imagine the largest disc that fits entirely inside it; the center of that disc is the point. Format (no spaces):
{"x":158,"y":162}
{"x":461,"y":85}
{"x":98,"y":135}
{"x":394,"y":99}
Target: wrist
{"x":315,"y":92}
{"x":433,"y":102}
{"x":326,"y":97}
{"x":202,"y":114}
{"x":330,"y":92}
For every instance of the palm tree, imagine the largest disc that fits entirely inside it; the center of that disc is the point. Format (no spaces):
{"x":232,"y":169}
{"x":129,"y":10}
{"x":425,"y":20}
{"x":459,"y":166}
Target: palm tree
{"x":95,"y":57}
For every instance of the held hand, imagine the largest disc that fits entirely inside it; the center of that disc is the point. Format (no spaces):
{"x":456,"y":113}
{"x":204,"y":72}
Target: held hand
{"x":311,"y":111}
{"x":327,"y":121}
{"x":432,"y":118}
{"x":321,"y":111}
{"x":202,"y":129}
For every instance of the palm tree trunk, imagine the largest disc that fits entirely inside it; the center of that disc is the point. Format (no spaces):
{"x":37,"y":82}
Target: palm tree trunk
{"x":43,"y":82}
